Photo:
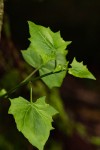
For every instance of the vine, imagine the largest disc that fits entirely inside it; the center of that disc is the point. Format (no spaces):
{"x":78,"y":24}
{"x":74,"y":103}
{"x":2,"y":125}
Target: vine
{"x":47,"y":55}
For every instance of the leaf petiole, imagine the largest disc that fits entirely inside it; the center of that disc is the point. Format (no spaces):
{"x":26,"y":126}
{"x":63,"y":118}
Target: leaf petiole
{"x":31,"y":90}
{"x":25,"y":81}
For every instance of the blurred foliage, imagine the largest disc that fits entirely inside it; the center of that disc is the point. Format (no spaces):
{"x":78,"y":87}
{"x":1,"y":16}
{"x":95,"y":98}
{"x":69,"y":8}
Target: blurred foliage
{"x":95,"y":140}
{"x":4,"y":144}
{"x":10,"y":79}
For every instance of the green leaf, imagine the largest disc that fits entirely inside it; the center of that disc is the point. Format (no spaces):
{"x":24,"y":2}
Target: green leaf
{"x":33,"y":119}
{"x":79,"y":70}
{"x":46,"y":48}
{"x":54,"y":79}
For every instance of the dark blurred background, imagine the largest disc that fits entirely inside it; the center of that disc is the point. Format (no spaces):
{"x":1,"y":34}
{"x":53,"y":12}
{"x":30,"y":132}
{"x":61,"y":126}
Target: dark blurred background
{"x":79,"y":22}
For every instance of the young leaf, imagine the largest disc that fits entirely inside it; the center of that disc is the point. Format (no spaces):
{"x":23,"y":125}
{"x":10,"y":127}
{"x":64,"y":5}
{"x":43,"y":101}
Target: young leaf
{"x":79,"y":70}
{"x":33,"y":119}
{"x":45,"y":48}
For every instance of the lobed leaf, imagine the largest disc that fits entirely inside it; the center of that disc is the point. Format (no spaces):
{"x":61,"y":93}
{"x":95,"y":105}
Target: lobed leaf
{"x":33,"y":119}
{"x":45,"y":49}
{"x":79,"y":70}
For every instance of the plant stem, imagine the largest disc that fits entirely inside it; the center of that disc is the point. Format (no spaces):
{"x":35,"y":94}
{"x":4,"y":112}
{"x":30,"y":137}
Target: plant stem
{"x":26,"y":80}
{"x":30,"y":91}
{"x":29,"y":76}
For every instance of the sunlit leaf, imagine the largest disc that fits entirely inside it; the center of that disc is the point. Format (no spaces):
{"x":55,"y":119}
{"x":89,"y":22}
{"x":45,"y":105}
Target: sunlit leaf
{"x":46,"y":51}
{"x":33,"y":119}
{"x":79,"y":70}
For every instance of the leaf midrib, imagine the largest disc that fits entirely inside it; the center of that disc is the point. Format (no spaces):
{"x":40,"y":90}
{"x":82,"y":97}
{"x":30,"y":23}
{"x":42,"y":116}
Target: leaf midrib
{"x":45,"y":39}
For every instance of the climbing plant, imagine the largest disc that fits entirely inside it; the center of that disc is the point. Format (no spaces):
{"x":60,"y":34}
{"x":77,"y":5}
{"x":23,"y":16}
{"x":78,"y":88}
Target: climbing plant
{"x":47,"y":54}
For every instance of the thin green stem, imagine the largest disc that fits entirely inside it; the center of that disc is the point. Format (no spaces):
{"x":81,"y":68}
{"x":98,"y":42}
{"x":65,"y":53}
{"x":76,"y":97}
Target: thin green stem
{"x":47,"y":74}
{"x":29,"y":76}
{"x":26,"y":80}
{"x":31,"y":91}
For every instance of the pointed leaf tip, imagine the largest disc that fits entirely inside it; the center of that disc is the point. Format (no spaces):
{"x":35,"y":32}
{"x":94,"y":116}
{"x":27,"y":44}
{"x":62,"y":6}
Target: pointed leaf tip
{"x":45,"y":48}
{"x":79,"y":70}
{"x":34,"y":120}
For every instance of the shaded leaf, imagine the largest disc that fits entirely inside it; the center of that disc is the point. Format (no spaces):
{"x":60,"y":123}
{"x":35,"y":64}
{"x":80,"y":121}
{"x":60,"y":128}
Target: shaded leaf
{"x":33,"y":119}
